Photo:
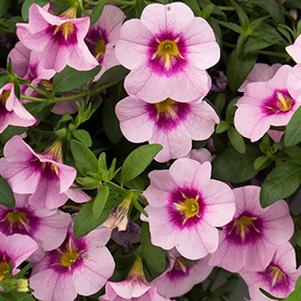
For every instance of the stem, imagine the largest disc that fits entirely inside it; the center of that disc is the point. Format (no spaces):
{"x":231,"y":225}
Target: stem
{"x":264,"y":52}
{"x":40,"y":91}
{"x":226,"y":8}
{"x":71,"y":97}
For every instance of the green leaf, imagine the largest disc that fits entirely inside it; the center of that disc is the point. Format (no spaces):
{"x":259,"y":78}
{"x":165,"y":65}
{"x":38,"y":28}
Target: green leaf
{"x":26,"y":5}
{"x":293,"y":130}
{"x":272,"y":7}
{"x":6,"y":194}
{"x":137,"y":161}
{"x":222,"y":127}
{"x":153,"y":256}
{"x":83,"y":136}
{"x":100,"y":200}
{"x":115,"y":74}
{"x":219,"y":102}
{"x":97,"y":11}
{"x":84,"y":158}
{"x":4,"y":6}
{"x":280,"y":183}
{"x":261,"y":162}
{"x":238,"y":68}
{"x":235,"y":167}
{"x":243,"y":18}
{"x":234,"y":27}
{"x":70,"y":79}
{"x":236,"y":140}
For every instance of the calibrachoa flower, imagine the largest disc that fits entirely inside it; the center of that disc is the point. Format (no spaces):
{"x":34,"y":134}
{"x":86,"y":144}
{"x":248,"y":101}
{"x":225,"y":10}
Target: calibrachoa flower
{"x":103,"y":35}
{"x":295,"y":50}
{"x":14,"y":249}
{"x":260,"y":73}
{"x":278,"y":278}
{"x":79,"y":266}
{"x":167,"y":51}
{"x":62,"y":38}
{"x":169,"y":123}
{"x":186,"y":206}
{"x":42,"y":175}
{"x":47,"y":228}
{"x":135,"y":287}
{"x":26,"y":63}
{"x":11,"y":110}
{"x":265,"y":104}
{"x":254,"y":233}
{"x":181,"y":276}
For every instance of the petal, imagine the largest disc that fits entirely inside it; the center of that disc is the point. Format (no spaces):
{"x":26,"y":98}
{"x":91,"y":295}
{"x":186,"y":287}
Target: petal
{"x":59,"y":286}
{"x":19,"y":56}
{"x":163,"y":234}
{"x":285,"y":257}
{"x":132,"y":47}
{"x":219,"y":203}
{"x":175,"y":17}
{"x":197,"y":242}
{"x":203,"y":51}
{"x":278,"y":224}
{"x":77,"y":195}
{"x":295,"y":50}
{"x":190,"y":173}
{"x":135,"y":123}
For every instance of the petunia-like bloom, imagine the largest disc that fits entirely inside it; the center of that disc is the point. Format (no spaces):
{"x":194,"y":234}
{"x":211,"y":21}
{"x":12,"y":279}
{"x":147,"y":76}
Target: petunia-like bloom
{"x":186,"y":206}
{"x":47,"y":228}
{"x":41,"y":175}
{"x":295,"y":50}
{"x":11,"y":110}
{"x":181,"y":276}
{"x":201,"y":155}
{"x":79,"y":266}
{"x":103,"y":35}
{"x":278,"y":278}
{"x":170,"y":123}
{"x":59,"y":39}
{"x":134,"y":287}
{"x":265,"y":104}
{"x":254,"y":234}
{"x":14,"y":249}
{"x":26,"y":63}
{"x":260,"y":73}
{"x":167,"y":51}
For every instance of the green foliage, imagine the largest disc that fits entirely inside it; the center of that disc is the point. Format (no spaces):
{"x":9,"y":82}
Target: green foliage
{"x":6,"y":194}
{"x":293,"y":130}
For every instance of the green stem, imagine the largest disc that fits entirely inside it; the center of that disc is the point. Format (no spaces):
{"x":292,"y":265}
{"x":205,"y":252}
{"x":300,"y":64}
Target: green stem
{"x":40,"y":91}
{"x":264,"y":52}
{"x":226,"y":8}
{"x":69,"y":98}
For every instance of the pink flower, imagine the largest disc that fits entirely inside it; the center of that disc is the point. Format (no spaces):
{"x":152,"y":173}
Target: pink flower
{"x":260,"y":73}
{"x":41,"y":175}
{"x":201,"y":155}
{"x":26,"y":63}
{"x":80,"y":266}
{"x":169,"y":123}
{"x":266,"y":104}
{"x":295,"y":50}
{"x":254,"y":233}
{"x":167,"y":51}
{"x":278,"y":278}
{"x":103,"y":35}
{"x":47,"y":228}
{"x":181,"y":276}
{"x":11,"y":110}
{"x":135,"y":287}
{"x":186,"y":206}
{"x":62,"y":38}
{"x":14,"y":249}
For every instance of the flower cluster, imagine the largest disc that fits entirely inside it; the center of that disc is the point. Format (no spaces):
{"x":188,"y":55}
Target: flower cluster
{"x":132,"y":233}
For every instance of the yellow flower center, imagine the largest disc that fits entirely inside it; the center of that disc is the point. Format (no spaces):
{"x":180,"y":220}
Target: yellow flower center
{"x":277,"y":275}
{"x":4,"y":96}
{"x":285,"y":102}
{"x":66,"y":29}
{"x":4,"y":269}
{"x":70,"y":256}
{"x":244,"y":225}
{"x":189,"y":207}
{"x":136,"y":271}
{"x":167,"y":50}
{"x":166,"y":107}
{"x":17,"y":217}
{"x":179,"y":264}
{"x":100,"y":48}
